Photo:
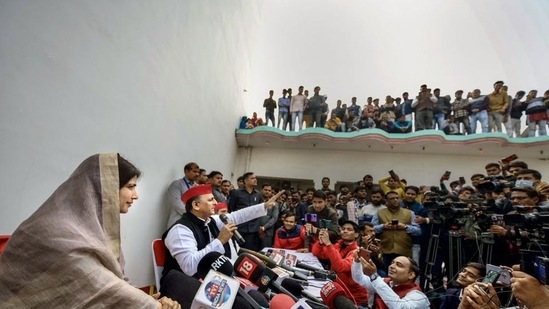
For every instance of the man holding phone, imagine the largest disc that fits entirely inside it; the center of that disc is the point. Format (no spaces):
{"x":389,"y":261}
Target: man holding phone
{"x":321,"y":213}
{"x":396,"y":226}
{"x":467,"y":276}
{"x":341,"y":258}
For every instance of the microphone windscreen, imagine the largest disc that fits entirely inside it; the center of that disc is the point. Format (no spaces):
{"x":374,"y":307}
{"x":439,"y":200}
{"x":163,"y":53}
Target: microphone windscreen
{"x":179,"y":287}
{"x":292,"y":287}
{"x":329,"y":292}
{"x":216,"y":261}
{"x":248,"y":267}
{"x":342,"y":302}
{"x":259,"y":298}
{"x":239,"y":303}
{"x":281,"y":301}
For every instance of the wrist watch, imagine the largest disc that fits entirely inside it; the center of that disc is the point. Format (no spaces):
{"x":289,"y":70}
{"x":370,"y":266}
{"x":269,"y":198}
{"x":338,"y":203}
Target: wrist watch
{"x":373,"y":276}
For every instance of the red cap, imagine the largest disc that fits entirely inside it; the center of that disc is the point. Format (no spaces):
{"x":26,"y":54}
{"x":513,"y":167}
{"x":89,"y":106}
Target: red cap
{"x":219,"y":206}
{"x":196,"y":191}
{"x":281,"y":301}
{"x":329,"y":292}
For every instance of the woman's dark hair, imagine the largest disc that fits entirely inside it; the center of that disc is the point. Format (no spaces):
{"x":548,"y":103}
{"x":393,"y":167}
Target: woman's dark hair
{"x":126,"y":171}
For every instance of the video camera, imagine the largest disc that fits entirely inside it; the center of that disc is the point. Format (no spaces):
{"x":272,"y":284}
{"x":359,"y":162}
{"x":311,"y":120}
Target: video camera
{"x":444,"y":209}
{"x":534,"y":263}
{"x":495,"y":184}
{"x":530,"y":221}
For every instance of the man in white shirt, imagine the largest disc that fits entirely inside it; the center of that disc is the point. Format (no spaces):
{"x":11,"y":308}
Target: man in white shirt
{"x":200,"y":232}
{"x":397,"y":291}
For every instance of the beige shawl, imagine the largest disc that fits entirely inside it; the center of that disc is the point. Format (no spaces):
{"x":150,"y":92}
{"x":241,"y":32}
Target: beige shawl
{"x":67,"y":254}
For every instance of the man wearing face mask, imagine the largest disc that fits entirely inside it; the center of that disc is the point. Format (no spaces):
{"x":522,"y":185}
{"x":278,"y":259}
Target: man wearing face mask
{"x":529,"y":177}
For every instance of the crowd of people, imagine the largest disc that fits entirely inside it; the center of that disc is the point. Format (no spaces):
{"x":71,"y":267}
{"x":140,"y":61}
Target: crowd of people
{"x":390,"y":221}
{"x":375,"y":236}
{"x":429,"y":109}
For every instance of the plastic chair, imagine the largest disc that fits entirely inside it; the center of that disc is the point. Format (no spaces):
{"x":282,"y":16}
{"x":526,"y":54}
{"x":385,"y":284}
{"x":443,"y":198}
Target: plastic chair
{"x":159,"y":257}
{"x":3,"y":242}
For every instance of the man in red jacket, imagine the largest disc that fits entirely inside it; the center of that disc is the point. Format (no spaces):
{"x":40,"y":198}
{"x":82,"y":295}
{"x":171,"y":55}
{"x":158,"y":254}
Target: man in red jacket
{"x":290,"y":235}
{"x":340,"y":255}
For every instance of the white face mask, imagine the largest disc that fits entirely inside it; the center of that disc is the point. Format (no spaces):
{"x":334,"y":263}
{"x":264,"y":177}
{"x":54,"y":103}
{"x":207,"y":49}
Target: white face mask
{"x":524,"y":183}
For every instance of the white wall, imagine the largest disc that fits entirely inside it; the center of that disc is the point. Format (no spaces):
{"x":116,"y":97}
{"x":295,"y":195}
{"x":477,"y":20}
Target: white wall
{"x":159,"y":81}
{"x":351,"y":166}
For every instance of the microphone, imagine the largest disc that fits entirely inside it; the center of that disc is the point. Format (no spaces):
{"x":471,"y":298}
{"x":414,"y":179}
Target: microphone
{"x":216,"y":291}
{"x":248,"y":267}
{"x":179,"y":287}
{"x":297,"y":290}
{"x":259,"y":298}
{"x":216,"y":261}
{"x":272,"y":264}
{"x":307,"y":267}
{"x":249,"y":300}
{"x":236,"y":235}
{"x":318,"y":273}
{"x":219,"y":262}
{"x":241,"y":303}
{"x":300,"y":282}
{"x":334,"y":296}
{"x":281,"y":301}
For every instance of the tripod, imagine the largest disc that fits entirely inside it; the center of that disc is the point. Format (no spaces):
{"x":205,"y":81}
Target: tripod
{"x":454,"y":267}
{"x":485,"y":254}
{"x":431,"y":256}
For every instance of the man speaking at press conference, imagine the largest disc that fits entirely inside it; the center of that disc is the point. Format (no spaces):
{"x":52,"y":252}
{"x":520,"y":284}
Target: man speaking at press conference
{"x":200,"y":232}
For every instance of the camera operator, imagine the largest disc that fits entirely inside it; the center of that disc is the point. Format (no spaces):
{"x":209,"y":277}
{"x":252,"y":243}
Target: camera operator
{"x":495,"y":190}
{"x":455,"y":186}
{"x":476,"y":179}
{"x":493,"y":169}
{"x":524,"y":200}
{"x":529,"y":177}
{"x":513,"y":168}
{"x":470,"y":229}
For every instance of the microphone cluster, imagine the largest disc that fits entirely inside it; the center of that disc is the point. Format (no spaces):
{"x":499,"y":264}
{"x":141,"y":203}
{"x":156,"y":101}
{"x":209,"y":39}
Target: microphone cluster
{"x":254,"y":282}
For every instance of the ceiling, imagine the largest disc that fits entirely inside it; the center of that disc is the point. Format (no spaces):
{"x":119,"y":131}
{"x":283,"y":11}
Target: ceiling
{"x":375,"y":140}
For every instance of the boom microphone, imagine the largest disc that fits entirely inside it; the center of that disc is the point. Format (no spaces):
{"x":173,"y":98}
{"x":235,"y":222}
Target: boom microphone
{"x":334,"y":296}
{"x":236,"y":235}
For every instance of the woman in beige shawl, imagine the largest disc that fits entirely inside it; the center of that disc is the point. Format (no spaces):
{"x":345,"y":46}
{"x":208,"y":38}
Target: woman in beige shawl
{"x":67,"y":254}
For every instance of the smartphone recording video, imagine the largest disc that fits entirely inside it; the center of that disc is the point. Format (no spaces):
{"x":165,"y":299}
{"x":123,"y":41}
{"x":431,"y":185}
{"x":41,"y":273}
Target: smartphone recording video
{"x":509,"y":159}
{"x":491,"y":277}
{"x":365,"y":254}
